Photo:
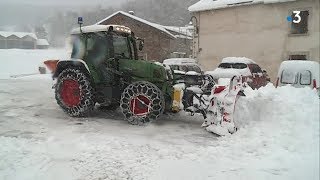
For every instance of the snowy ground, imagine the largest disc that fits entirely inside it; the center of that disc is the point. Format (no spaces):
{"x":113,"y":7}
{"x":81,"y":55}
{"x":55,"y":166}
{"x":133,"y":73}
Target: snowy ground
{"x":278,"y":138}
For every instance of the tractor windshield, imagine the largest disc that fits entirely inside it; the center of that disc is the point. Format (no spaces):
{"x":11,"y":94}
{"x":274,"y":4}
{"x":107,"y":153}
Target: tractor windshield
{"x":104,"y":45}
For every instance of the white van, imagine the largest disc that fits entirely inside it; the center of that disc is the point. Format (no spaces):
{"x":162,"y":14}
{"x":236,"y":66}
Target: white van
{"x":299,"y":73}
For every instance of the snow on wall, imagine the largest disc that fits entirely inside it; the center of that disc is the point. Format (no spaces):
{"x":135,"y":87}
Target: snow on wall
{"x":204,"y":5}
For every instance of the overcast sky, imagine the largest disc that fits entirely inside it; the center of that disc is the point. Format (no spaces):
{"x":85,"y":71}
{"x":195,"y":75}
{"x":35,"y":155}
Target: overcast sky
{"x":65,"y":2}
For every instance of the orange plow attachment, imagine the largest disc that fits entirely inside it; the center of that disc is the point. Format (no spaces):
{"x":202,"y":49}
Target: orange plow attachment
{"x":51,"y":65}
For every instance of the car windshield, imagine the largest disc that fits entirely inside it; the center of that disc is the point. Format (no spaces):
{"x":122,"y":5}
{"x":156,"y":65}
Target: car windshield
{"x":232,"y":65}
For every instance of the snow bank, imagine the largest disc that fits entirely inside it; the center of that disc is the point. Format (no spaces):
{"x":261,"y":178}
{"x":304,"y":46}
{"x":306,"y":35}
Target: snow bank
{"x":204,"y":5}
{"x":26,"y":62}
{"x":278,"y":139}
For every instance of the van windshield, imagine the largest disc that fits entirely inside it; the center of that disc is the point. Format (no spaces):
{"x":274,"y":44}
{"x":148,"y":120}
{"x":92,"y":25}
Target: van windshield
{"x":289,"y":77}
{"x":305,"y":77}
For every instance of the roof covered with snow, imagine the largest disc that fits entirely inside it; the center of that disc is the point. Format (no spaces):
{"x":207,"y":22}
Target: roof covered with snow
{"x":154,"y":25}
{"x":238,"y":60}
{"x":18,"y":34}
{"x":228,"y":73}
{"x":178,"y":61}
{"x":183,"y":32}
{"x":42,"y":42}
{"x":100,"y":28}
{"x":204,"y":5}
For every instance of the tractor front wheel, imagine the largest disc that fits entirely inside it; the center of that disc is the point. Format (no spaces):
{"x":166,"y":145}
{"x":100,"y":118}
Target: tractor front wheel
{"x":142,"y":102}
{"x":74,"y":92}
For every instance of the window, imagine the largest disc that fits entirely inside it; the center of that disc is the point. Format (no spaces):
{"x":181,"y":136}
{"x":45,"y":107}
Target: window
{"x":255,"y":68}
{"x":225,"y":65}
{"x":289,"y":77}
{"x":121,"y":47}
{"x":302,"y":26}
{"x":239,"y":66}
{"x":232,"y":65}
{"x":305,"y":78}
{"x":298,"y":57}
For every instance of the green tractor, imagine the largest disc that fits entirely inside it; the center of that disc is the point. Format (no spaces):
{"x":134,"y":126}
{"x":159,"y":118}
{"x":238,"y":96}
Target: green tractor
{"x":104,"y":68}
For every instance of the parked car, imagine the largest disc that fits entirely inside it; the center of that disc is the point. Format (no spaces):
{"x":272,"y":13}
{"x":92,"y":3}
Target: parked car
{"x":241,"y":66}
{"x":183,"y":64}
{"x":299,"y":73}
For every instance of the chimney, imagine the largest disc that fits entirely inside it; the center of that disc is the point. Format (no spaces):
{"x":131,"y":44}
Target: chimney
{"x":131,"y":12}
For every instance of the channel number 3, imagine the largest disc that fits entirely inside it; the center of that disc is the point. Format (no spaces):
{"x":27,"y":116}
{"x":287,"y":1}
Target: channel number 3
{"x":297,"y":17}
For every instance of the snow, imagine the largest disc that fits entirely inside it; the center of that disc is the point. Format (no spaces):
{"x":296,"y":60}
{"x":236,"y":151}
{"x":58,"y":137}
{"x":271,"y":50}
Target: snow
{"x":179,"y":61}
{"x":204,"y":5}
{"x":228,"y":73}
{"x":91,"y":28}
{"x":42,"y":42}
{"x":238,"y":60}
{"x":157,"y":26}
{"x":278,"y":138}
{"x":192,"y":73}
{"x":17,"y":62}
{"x":183,"y":31}
{"x":18,"y":34}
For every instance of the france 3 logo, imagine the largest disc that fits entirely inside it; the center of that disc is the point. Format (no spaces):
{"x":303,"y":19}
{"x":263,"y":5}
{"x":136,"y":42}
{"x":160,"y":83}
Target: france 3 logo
{"x":295,"y":17}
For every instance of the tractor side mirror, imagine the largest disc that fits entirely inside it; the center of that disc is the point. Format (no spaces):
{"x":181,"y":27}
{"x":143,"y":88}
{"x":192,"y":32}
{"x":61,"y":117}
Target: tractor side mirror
{"x":141,"y":44}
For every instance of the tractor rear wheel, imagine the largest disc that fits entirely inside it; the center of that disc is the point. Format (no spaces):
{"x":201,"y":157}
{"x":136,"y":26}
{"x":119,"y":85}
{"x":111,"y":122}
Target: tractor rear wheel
{"x":74,"y":92}
{"x":142,"y":102}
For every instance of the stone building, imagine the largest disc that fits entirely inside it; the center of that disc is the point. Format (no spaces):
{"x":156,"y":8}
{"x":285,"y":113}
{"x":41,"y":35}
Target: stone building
{"x":160,"y":42}
{"x":261,"y":30}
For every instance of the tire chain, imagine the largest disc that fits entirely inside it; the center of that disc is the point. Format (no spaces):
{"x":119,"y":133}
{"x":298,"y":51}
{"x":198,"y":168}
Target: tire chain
{"x":148,"y":90}
{"x":86,"y":101}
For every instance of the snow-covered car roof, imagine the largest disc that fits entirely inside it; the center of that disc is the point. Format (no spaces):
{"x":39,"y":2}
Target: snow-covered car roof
{"x":205,"y":5}
{"x":100,"y":28}
{"x":228,"y":73}
{"x":179,"y":61}
{"x":301,"y":65}
{"x":238,"y":60}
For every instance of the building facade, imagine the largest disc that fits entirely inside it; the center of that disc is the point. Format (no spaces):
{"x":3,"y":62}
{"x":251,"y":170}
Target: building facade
{"x":259,"y":31}
{"x":17,"y":40}
{"x":159,"y":42}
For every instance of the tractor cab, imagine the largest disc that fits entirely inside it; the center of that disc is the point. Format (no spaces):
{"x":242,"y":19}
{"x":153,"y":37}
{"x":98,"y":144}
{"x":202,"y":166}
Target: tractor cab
{"x":103,"y":47}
